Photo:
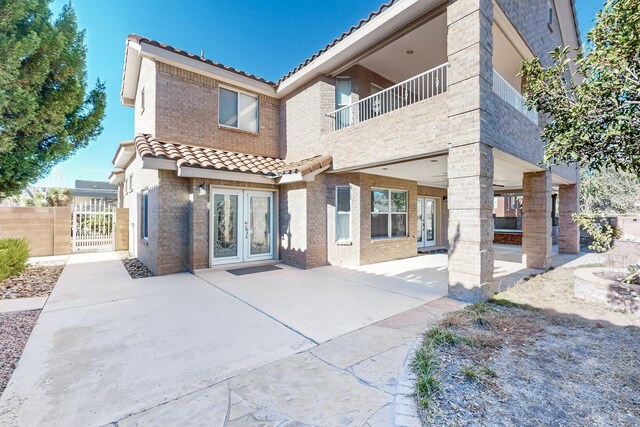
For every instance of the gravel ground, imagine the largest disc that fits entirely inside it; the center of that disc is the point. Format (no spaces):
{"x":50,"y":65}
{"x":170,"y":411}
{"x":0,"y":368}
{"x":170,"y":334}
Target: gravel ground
{"x":135,"y":268}
{"x":15,"y":328}
{"x":35,"y":281}
{"x":539,"y":356}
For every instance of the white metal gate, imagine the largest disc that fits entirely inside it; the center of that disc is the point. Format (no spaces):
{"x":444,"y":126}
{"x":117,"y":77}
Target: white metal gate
{"x":94,"y":225}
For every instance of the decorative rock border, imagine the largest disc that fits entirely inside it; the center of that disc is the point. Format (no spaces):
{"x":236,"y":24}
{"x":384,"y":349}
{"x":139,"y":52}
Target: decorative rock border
{"x":588,"y":286}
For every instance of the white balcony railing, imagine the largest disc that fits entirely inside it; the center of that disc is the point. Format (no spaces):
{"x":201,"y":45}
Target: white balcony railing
{"x":509,"y":94}
{"x":423,"y":86}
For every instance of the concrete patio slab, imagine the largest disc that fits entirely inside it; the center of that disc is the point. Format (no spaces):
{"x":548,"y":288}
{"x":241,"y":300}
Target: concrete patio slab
{"x":113,"y":356}
{"x":22,"y":304}
{"x":323,"y":303}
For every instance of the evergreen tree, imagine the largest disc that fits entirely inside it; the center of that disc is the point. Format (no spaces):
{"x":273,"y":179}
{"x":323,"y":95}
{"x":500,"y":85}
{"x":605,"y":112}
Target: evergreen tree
{"x":46,"y":113}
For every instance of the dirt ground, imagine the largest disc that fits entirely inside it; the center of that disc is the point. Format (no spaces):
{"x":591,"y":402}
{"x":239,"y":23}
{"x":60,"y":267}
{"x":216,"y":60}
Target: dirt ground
{"x":538,"y":356}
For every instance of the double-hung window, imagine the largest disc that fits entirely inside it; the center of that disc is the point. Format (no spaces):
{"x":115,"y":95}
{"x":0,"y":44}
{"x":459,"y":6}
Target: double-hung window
{"x":343,"y":213}
{"x":145,"y":214}
{"x":237,"y":110}
{"x":388,"y":213}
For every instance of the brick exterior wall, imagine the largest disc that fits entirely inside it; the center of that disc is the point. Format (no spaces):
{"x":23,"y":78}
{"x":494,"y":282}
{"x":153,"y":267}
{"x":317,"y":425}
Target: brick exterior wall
{"x":293,"y":224}
{"x":415,"y":130}
{"x":303,"y":120}
{"x":182,"y":106}
{"x":142,"y":179}
{"x":344,"y":253}
{"x":48,"y":230}
{"x":536,"y":220}
{"x":145,"y":118}
{"x":568,"y":230}
{"x":122,"y":229}
{"x":470,"y":162}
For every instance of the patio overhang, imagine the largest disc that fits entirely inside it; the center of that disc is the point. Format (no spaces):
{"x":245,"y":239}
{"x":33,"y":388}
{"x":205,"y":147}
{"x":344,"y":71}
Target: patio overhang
{"x":202,"y":162}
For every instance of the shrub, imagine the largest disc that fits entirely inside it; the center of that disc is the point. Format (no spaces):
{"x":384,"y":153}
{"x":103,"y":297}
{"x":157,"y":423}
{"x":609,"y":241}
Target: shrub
{"x":14,"y":253}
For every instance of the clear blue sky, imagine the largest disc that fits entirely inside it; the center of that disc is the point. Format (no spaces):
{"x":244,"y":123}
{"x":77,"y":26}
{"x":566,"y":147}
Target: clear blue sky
{"x":266,"y":38}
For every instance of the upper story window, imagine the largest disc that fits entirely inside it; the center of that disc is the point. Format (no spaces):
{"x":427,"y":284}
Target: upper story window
{"x":238,"y":110}
{"x":142,"y":101}
{"x":549,"y":13}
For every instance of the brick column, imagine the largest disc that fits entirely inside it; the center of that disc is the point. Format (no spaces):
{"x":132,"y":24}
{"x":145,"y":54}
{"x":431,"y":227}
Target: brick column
{"x":122,"y":229}
{"x":470,"y":162}
{"x":568,"y":230}
{"x":536,"y":220}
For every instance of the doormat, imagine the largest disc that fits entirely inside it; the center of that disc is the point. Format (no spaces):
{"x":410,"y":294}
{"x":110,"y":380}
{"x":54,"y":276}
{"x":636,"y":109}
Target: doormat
{"x":251,"y":270}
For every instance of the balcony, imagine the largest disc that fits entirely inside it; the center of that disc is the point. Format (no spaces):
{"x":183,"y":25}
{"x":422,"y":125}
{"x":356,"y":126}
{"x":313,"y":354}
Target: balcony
{"x":511,"y":96}
{"x":415,"y":89}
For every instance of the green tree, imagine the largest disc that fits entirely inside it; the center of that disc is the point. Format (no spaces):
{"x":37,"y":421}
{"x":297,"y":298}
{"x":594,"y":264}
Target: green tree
{"x":58,"y":197}
{"x":596,"y":111}
{"x":46,"y":113}
{"x":609,"y":192}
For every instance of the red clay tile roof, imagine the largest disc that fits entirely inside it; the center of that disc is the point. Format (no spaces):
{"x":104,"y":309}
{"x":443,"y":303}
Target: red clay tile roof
{"x":139,"y":39}
{"x":210,"y":158}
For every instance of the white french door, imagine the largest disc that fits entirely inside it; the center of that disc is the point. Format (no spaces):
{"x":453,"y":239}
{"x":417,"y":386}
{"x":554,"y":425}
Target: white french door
{"x":426,"y":232}
{"x":242,"y":227}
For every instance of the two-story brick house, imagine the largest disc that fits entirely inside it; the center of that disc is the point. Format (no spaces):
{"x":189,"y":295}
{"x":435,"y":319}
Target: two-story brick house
{"x":390,"y":139}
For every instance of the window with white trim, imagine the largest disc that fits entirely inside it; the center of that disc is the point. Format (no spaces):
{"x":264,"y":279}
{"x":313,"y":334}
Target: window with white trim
{"x":145,"y":214}
{"x":237,"y":110}
{"x":388,"y":213}
{"x":549,"y":13}
{"x":130,"y":182}
{"x":343,"y":213}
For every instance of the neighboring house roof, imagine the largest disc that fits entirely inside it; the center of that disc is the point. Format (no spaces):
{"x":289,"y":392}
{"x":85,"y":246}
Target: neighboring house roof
{"x":210,"y":158}
{"x":94,"y":189}
{"x":139,"y":39}
{"x":102,"y":185}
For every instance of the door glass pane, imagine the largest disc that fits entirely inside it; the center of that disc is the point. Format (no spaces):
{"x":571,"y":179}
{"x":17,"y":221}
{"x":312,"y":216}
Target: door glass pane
{"x":260,"y":225}
{"x":228,"y":108}
{"x":248,"y":112}
{"x":225,"y":225}
{"x":343,"y":92}
{"x":430,"y":219}
{"x":379,"y":225}
{"x":420,"y":223}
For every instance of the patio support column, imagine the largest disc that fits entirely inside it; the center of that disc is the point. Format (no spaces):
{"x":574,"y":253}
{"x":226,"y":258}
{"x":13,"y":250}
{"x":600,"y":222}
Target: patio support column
{"x":470,"y":162}
{"x":568,"y":230}
{"x":536,"y":220}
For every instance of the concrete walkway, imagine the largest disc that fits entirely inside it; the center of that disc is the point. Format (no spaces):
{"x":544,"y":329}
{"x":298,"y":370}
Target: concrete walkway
{"x":22,"y":304}
{"x":228,"y":350}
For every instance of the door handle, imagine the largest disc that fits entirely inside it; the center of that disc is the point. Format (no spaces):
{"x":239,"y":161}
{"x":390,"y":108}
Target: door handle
{"x":246,"y":230}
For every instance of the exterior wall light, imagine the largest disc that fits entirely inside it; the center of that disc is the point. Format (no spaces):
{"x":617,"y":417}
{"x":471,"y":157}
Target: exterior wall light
{"x":202,"y":189}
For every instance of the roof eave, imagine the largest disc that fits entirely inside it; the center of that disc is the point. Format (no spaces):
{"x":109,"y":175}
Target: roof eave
{"x":130,"y":73}
{"x":162,"y":55}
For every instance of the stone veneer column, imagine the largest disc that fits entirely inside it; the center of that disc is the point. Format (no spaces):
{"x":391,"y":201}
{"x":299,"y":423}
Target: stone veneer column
{"x":536,"y":220}
{"x":568,"y":230}
{"x":470,"y":162}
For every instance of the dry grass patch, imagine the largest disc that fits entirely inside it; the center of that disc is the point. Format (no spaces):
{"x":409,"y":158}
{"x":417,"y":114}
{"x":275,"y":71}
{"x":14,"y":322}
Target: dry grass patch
{"x":508,"y":363}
